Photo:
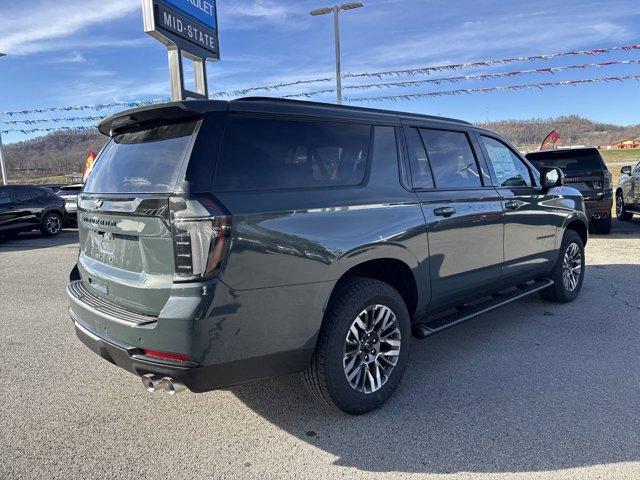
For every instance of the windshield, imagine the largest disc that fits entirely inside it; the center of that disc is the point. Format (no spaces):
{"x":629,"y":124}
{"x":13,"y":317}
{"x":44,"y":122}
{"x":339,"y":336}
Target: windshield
{"x":144,"y":161}
{"x":569,"y":161}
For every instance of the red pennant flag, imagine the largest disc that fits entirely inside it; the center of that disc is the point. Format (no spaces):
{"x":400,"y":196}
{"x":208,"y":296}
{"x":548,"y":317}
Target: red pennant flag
{"x":88,"y":165}
{"x":550,"y":140}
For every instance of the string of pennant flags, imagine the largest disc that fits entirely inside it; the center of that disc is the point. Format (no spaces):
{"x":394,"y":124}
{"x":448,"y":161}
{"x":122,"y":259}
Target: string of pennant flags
{"x":96,"y":107}
{"x":503,"y":88}
{"x":78,"y":128}
{"x":430,"y":69}
{"x":410,"y":96}
{"x":488,"y":63}
{"x":379,"y":75}
{"x":34,"y":121}
{"x":482,"y":76}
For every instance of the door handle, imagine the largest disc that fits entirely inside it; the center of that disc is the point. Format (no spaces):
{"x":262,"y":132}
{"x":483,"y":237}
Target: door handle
{"x":444,"y":211}
{"x":513,"y":204}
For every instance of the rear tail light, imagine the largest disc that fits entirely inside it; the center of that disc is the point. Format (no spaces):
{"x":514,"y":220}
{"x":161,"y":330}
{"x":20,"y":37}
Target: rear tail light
{"x":175,"y":357}
{"x":607,"y":179}
{"x":201,"y":237}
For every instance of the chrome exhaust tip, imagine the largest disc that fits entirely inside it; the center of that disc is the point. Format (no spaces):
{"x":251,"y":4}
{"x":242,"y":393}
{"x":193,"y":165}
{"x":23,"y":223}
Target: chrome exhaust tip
{"x":171,"y":386}
{"x":152,"y":382}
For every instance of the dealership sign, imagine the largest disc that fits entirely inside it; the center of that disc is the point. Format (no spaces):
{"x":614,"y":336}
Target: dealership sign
{"x":189,"y":29}
{"x":190,"y":25}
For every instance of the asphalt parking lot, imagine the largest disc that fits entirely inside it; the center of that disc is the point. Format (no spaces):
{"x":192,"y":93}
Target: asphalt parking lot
{"x":532,"y":390}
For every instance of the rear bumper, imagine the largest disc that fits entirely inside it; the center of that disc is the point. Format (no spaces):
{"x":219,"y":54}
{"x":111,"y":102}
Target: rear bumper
{"x":197,"y":378}
{"x":598,"y":207}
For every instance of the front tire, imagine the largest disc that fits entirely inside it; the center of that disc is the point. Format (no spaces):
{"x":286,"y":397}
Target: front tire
{"x":621,"y":209}
{"x":568,"y":273}
{"x":362,"y":349}
{"x":51,"y":224}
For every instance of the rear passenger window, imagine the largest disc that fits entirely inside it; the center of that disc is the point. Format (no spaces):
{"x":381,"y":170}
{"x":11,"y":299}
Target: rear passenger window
{"x":420,"y":169}
{"x":22,"y":195}
{"x":452,"y":160}
{"x":262,"y":154}
{"x":5,"y":198}
{"x":509,"y":169}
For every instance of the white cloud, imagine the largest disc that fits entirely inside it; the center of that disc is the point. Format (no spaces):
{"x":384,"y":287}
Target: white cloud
{"x":495,"y":36}
{"x":30,"y":26}
{"x":250,"y":14}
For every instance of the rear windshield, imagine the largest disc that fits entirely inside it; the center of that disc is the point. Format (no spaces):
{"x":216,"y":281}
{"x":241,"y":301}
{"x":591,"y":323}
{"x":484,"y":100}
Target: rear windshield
{"x":263,"y":154}
{"x":144,"y":161}
{"x":569,"y":161}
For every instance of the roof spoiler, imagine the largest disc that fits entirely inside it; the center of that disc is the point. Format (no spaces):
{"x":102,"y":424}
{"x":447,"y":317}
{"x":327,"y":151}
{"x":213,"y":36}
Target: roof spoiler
{"x":157,"y":114}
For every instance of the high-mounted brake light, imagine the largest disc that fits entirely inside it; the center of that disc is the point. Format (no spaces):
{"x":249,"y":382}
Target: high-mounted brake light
{"x":201,"y":237}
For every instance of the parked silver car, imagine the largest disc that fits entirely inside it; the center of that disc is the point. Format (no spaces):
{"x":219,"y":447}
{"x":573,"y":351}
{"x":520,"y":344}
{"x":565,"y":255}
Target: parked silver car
{"x":628,"y":193}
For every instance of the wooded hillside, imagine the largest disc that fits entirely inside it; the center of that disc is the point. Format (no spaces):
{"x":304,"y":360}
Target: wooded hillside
{"x":65,"y":152}
{"x":573,"y":130}
{"x":55,"y":154}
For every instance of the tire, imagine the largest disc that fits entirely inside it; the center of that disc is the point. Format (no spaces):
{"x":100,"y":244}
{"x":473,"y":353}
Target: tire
{"x":602,"y":227}
{"x":51,"y":224}
{"x":561,"y":291}
{"x":366,"y":300}
{"x":621,"y":209}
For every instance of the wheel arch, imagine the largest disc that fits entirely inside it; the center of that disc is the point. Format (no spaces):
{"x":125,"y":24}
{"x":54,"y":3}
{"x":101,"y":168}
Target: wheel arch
{"x":580,"y":227}
{"x":393,"y":271}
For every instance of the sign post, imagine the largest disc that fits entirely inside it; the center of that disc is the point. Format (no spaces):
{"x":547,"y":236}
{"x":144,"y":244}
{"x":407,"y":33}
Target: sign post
{"x":2,"y":167}
{"x":189,"y":30}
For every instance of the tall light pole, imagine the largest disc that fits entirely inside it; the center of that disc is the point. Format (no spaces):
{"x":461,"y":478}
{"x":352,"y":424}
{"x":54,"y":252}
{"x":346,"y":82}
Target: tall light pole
{"x":2,"y":167}
{"x":336,"y":9}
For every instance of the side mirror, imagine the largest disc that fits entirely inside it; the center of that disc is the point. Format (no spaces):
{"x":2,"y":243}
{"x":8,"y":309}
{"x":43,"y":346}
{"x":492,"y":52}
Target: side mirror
{"x":625,"y":170}
{"x":551,"y":177}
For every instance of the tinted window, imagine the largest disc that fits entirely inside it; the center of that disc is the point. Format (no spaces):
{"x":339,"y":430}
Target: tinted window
{"x":5,"y":197}
{"x":570,"y":161}
{"x":384,"y":154}
{"x":262,"y":154}
{"x":38,"y":193}
{"x":420,"y":169}
{"x":143,"y":161}
{"x":509,"y":169}
{"x":22,"y":194}
{"x":452,"y":160}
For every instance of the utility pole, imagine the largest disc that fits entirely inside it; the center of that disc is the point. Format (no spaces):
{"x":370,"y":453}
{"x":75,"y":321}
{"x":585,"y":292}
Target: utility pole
{"x":2,"y":167}
{"x":336,"y":9}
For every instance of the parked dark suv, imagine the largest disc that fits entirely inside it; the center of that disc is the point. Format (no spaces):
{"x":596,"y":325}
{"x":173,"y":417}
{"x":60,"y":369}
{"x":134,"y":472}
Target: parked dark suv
{"x":585,"y":171}
{"x":224,"y":242}
{"x":24,"y":208}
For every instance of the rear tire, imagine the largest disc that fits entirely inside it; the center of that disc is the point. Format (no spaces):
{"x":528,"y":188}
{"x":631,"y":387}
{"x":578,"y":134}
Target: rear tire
{"x":602,"y":227}
{"x":568,"y":273}
{"x":621,"y":209}
{"x":362,"y":349}
{"x":51,"y":224}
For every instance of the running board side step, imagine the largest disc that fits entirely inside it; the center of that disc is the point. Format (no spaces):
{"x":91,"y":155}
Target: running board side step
{"x":424,"y":330}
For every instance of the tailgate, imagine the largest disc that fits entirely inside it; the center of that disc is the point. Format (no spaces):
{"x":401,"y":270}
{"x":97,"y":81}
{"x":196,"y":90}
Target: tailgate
{"x":126,"y":251}
{"x":590,"y":184}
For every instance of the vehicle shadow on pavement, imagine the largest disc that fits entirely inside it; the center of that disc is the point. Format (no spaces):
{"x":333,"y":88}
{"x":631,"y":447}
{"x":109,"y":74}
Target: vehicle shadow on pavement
{"x":533,"y":386}
{"x":622,"y":230}
{"x":35,"y":240}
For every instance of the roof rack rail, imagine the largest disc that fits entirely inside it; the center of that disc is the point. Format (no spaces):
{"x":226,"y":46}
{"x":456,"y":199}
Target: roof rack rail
{"x":347,"y":107}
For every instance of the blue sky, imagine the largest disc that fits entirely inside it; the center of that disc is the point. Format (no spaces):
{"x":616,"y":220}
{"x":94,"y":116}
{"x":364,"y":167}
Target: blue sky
{"x":71,"y":52}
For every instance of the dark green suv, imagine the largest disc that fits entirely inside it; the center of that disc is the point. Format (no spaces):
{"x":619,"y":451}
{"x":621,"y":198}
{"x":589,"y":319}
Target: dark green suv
{"x":225,"y":242}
